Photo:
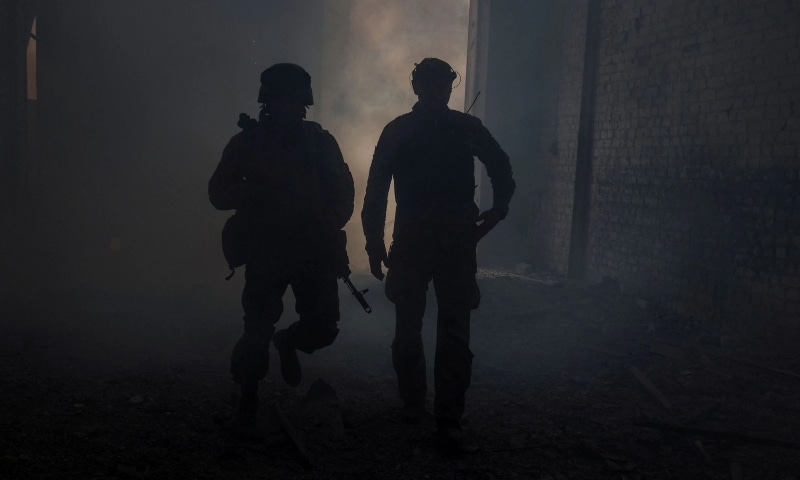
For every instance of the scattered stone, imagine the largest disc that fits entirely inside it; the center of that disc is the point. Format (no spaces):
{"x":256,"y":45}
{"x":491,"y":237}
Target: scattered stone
{"x":728,"y":341}
{"x":669,"y":351}
{"x":737,"y":472}
{"x":651,"y":437}
{"x":620,"y":466}
{"x":131,"y":472}
{"x":523,"y":269}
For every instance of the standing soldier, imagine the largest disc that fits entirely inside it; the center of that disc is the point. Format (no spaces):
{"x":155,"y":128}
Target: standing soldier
{"x":293,"y":193}
{"x":429,"y":154}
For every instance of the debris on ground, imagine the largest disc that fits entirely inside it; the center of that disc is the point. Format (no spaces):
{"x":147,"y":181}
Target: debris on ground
{"x":570,"y":381}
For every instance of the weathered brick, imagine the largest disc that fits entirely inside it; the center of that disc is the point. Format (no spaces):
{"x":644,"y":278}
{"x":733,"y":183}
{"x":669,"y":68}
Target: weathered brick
{"x":724,"y":94}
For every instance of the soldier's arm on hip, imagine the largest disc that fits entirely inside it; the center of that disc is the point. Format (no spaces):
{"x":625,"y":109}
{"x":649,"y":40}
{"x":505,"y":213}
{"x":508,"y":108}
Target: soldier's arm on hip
{"x":498,"y":166}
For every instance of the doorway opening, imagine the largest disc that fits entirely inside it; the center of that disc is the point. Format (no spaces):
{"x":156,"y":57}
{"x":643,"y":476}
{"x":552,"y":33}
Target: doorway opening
{"x":31,"y":63}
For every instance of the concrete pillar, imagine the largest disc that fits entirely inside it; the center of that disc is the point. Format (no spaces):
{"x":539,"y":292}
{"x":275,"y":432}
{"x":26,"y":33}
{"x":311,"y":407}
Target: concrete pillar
{"x":514,"y":47}
{"x":13,"y":40}
{"x":15,"y":22}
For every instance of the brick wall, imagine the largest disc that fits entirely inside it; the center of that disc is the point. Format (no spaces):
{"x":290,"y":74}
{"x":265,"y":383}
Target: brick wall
{"x":696,"y":177}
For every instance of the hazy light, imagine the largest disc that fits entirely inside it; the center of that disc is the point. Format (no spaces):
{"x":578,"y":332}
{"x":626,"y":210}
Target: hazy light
{"x":371,"y":83}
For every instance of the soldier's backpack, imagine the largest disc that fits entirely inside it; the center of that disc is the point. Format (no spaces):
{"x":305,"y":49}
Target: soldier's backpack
{"x":238,"y":234}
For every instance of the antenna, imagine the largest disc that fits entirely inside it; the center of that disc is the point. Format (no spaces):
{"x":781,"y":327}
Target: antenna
{"x":473,"y":102}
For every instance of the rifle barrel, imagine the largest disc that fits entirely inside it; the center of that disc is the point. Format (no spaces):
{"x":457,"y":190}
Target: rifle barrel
{"x":358,"y":294}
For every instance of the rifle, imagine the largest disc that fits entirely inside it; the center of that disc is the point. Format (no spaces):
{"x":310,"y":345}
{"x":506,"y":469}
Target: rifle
{"x":359,"y":294}
{"x":344,"y":271}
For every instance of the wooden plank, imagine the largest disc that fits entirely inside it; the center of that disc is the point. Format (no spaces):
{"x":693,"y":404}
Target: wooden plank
{"x":652,"y":389}
{"x":747,"y":363}
{"x":305,"y":459}
{"x":760,"y":366}
{"x":719,"y":434}
{"x":702,"y":448}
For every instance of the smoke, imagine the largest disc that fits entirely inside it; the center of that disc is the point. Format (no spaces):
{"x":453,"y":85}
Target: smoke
{"x":372,"y":46}
{"x":137,"y":100}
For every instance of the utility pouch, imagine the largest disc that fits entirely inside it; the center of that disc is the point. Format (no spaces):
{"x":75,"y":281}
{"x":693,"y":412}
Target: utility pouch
{"x":237,"y":242}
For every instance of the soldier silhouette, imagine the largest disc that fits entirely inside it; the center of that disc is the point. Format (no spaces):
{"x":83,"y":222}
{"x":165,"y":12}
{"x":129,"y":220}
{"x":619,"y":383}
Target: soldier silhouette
{"x":429,"y":155}
{"x":293,"y":193}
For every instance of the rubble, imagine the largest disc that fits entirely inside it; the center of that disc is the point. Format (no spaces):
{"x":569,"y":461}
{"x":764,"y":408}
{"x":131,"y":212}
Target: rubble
{"x":570,"y":381}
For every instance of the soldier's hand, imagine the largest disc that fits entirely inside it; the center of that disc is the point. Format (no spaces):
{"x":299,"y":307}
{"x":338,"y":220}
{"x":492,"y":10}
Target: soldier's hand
{"x":377,"y":259}
{"x":487,"y":221}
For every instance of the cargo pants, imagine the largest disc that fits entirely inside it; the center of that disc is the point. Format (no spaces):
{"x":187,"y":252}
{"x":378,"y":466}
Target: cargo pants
{"x":447,"y":257}
{"x":267,"y":276}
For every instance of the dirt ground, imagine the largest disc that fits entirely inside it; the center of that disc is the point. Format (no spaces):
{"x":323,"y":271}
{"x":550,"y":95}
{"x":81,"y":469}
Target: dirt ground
{"x":570,"y":382}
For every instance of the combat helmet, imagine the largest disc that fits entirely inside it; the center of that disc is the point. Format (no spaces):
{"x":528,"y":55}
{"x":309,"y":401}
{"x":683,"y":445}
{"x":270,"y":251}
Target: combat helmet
{"x":286,"y":79}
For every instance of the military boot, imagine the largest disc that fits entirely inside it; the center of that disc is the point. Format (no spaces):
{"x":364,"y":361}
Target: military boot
{"x":453,"y":439}
{"x":246,"y":420}
{"x":287,"y":351}
{"x":247,"y":409}
{"x":414,"y":412}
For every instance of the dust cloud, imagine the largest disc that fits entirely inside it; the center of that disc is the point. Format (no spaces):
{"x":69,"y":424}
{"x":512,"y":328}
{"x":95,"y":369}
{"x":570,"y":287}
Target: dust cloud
{"x":366,"y":77}
{"x":136,"y":100}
